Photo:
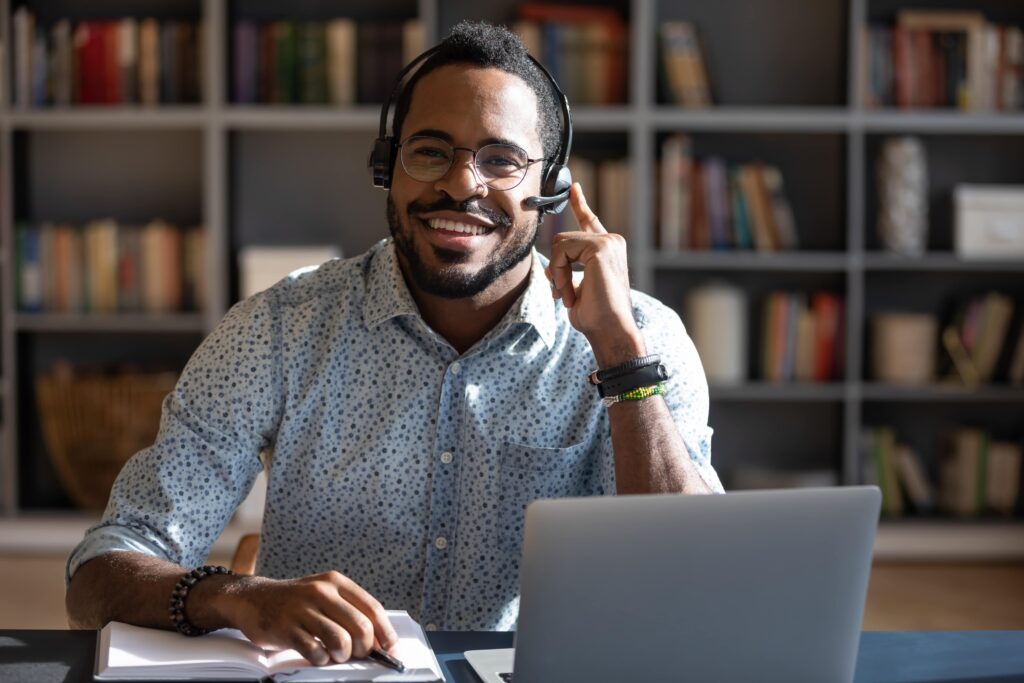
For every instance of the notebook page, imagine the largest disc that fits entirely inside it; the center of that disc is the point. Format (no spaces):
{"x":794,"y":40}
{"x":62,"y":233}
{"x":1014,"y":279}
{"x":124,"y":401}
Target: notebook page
{"x":412,"y":650}
{"x":140,"y":649}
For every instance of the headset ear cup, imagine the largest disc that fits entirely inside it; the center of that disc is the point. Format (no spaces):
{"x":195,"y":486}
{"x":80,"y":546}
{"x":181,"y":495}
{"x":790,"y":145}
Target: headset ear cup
{"x":382,"y":162}
{"x":558,"y":180}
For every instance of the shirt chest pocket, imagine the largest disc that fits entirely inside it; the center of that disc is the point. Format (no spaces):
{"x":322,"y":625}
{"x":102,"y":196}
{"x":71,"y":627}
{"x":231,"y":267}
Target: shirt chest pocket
{"x":530,"y":473}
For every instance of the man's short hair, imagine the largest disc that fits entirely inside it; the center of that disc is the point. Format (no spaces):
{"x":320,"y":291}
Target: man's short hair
{"x":482,"y":44}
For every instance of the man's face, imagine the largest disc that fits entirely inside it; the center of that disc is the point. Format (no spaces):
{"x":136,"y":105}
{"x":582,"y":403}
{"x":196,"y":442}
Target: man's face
{"x":467,"y":107}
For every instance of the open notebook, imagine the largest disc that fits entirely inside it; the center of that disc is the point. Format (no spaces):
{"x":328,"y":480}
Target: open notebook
{"x":132,"y":652}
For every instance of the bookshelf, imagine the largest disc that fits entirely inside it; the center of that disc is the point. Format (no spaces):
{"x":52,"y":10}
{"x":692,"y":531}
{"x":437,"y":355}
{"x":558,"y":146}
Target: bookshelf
{"x":278,"y":175}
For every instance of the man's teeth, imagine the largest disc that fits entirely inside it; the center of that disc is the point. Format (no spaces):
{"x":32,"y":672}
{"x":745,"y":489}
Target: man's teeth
{"x":444,"y":224}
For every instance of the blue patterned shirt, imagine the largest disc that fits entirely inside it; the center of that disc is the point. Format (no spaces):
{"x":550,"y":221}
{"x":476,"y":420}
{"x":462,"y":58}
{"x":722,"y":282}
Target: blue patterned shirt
{"x":393,"y":459}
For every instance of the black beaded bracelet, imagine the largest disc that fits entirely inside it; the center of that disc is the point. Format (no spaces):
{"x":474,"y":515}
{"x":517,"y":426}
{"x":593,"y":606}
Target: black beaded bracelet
{"x":599,"y":376}
{"x":181,"y":589}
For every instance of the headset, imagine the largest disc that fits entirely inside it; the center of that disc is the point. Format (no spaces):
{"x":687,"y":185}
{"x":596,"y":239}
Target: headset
{"x":557,"y":178}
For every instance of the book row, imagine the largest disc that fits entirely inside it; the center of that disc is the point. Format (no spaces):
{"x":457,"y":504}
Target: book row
{"x":606,"y":186}
{"x":126,"y":61}
{"x":104,"y":267}
{"x":949,"y":59}
{"x":801,"y":337}
{"x":339,"y":61}
{"x":977,"y":474}
{"x":709,"y":204}
{"x":584,"y":47}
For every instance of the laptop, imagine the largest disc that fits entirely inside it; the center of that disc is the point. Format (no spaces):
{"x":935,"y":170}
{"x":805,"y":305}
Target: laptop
{"x":747,"y":586}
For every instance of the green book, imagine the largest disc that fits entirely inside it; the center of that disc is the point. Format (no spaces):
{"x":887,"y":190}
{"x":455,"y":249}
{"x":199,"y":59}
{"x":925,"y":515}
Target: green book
{"x":312,"y":60}
{"x":284,"y":67}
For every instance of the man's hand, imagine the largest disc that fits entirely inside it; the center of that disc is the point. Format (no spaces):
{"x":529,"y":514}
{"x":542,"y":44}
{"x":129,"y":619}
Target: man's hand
{"x":324,"y":617}
{"x":599,"y":306}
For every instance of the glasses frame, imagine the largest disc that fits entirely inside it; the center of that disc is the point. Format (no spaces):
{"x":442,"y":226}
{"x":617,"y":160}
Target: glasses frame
{"x":474,"y":152}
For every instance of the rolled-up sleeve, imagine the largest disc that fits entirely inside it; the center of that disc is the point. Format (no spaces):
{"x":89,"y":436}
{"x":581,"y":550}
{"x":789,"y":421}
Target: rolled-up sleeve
{"x":173,"y":499}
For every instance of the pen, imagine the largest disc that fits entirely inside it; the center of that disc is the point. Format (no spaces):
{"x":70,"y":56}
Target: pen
{"x":387,"y":660}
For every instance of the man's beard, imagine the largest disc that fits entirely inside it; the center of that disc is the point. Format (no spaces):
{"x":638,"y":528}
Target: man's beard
{"x":450,"y":281}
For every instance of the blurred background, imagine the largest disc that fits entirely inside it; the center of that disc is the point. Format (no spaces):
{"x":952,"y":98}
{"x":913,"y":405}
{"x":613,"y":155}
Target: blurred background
{"x":830,"y":192}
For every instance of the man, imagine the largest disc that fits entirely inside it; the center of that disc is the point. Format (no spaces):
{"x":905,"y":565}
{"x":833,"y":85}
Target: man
{"x":415,"y":398}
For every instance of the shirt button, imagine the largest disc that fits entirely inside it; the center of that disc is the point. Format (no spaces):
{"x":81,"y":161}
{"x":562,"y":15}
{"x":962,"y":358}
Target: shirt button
{"x":446,"y":457}
{"x":441,"y":543}
{"x":455,"y":367}
{"x":431,"y":627}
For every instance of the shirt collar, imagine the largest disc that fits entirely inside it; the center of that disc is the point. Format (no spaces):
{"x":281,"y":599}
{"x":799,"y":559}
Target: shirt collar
{"x":388,"y":296}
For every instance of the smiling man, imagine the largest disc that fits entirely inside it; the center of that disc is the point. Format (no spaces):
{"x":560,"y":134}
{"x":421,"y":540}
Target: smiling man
{"x":414,"y":399}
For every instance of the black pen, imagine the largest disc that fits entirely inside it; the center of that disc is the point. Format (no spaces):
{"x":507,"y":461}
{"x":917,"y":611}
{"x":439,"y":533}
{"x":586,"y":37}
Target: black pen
{"x":387,"y":660}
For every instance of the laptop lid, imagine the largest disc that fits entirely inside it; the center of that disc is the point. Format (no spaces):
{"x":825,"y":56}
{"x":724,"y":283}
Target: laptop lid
{"x":748,"y":586}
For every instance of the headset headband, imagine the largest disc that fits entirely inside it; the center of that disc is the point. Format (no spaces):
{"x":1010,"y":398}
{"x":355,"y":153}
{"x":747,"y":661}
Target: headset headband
{"x":566,"y":143}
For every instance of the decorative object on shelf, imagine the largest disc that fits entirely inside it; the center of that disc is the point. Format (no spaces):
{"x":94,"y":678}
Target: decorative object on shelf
{"x":903,"y":196}
{"x":92,"y":423}
{"x":716,"y":319}
{"x":989,"y":222}
{"x":976,"y":336}
{"x":260,"y":267}
{"x":903,"y":347}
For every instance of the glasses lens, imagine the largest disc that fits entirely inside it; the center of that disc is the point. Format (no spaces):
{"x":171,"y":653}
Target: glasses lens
{"x":425,"y":158}
{"x":502,"y":166}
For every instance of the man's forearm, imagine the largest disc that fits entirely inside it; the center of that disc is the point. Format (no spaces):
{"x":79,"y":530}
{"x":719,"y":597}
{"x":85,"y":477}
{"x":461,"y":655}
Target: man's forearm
{"x":133,"y":588}
{"x":650,"y":456}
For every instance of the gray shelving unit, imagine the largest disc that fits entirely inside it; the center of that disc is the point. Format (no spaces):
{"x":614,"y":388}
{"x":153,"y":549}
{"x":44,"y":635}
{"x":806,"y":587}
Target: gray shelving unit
{"x":784,"y":74}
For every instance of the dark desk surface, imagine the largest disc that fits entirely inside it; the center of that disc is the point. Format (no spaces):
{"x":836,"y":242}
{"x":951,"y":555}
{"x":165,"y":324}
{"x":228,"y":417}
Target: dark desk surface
{"x":948,"y":656}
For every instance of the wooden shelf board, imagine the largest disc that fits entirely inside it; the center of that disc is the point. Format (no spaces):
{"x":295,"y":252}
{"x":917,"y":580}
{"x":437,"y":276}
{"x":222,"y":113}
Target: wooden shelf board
{"x":877,"y":391}
{"x":753,"y":119}
{"x":109,"y":118}
{"x":937,"y":261}
{"x":124,"y":322}
{"x":940,"y":121}
{"x":769,"y":391}
{"x":950,"y":540}
{"x":810,"y":261}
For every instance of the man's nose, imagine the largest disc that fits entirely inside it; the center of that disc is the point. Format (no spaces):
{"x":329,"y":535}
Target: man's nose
{"x":462,"y":180}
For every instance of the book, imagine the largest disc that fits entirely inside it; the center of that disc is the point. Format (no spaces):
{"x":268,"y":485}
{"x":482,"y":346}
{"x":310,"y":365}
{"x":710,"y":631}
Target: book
{"x":914,"y":478}
{"x":126,"y":652}
{"x":341,"y":61}
{"x":260,"y":267}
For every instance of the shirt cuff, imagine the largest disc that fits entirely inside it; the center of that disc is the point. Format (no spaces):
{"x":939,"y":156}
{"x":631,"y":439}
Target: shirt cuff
{"x":112,"y":538}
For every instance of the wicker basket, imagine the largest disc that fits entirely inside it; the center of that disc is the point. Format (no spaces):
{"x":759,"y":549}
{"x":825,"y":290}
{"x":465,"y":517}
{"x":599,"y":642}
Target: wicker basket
{"x":92,"y":424}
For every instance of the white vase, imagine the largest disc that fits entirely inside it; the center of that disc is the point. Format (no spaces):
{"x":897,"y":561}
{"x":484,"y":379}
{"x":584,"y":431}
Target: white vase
{"x":903,"y":196}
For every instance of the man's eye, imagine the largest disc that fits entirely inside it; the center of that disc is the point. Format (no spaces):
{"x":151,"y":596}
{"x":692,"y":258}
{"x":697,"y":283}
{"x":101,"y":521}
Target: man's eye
{"x":431,"y":153}
{"x":503,"y":162}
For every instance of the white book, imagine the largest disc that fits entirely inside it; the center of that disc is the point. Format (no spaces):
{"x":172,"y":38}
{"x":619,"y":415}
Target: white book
{"x":675,"y":192}
{"x":341,"y":61}
{"x":126,"y":652}
{"x":127,"y":57}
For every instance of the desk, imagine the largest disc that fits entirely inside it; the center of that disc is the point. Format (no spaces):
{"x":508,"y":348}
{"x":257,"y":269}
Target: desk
{"x":948,"y":656}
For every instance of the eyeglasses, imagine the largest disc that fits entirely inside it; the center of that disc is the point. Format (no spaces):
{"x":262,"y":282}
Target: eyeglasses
{"x":499,"y":166}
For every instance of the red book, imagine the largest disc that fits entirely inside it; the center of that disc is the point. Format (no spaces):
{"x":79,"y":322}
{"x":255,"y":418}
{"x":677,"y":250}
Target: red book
{"x":827,"y":310}
{"x":89,"y":62}
{"x":111,"y":62}
{"x":902,"y":63}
